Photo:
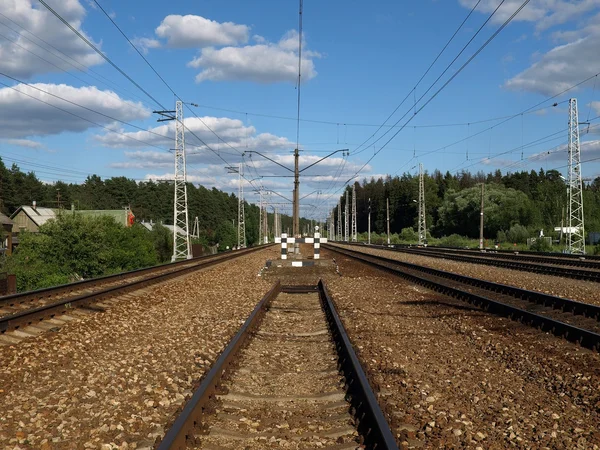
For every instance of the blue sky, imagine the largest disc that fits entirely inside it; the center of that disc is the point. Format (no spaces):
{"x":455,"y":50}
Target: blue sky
{"x":238,"y":61}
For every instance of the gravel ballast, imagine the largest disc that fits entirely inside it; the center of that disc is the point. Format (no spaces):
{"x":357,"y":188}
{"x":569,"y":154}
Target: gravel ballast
{"x":583,"y":291}
{"x":114,"y":379}
{"x":453,"y":376}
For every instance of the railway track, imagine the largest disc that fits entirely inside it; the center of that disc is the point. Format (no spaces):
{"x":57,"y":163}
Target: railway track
{"x":547,"y":265}
{"x":288,"y":379}
{"x":575,"y":321}
{"x":29,"y":308}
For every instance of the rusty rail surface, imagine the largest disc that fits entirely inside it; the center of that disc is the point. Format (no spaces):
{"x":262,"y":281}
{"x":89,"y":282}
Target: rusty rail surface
{"x":419,"y":275}
{"x":191,"y":415}
{"x":372,"y":424}
{"x":32,"y":315}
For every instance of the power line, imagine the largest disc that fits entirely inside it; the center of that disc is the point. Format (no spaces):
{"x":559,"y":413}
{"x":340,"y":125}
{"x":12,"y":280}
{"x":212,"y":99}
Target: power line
{"x":80,"y":67}
{"x":177,"y":96}
{"x":479,"y":50}
{"x":413,"y":90}
{"x":93,"y":47}
{"x":351,"y":124}
{"x":416,"y":112}
{"x":77,"y":115}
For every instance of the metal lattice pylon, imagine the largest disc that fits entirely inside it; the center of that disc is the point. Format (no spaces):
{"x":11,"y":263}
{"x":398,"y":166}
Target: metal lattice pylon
{"x":181,"y":236}
{"x":422,"y":222}
{"x":575,"y":231}
{"x":346,"y":218}
{"x":241,"y":212}
{"x":354,"y":218}
{"x":339,"y":236}
{"x":241,"y":223}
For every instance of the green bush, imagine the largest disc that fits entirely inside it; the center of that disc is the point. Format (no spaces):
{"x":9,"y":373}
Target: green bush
{"x":541,"y":245}
{"x":455,"y":240}
{"x":72,"y":247}
{"x":517,"y":233}
{"x":409,"y":235}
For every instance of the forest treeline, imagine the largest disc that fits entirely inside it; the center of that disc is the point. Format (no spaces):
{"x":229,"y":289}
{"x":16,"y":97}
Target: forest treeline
{"x":217,"y":211}
{"x":533,"y":200}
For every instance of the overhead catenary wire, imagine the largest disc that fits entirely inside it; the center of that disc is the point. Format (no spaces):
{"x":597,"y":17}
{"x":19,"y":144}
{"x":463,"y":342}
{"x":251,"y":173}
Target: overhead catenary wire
{"x":456,"y":73}
{"x":93,"y":47}
{"x":178,"y":97}
{"x":413,"y":90}
{"x":65,"y":57}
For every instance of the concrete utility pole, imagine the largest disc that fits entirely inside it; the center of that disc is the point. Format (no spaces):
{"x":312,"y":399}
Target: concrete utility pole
{"x":387,"y":200}
{"x":481,"y":220}
{"x":369,"y":230}
{"x":576,"y":229}
{"x":354,"y":218}
{"x":422,"y":214}
{"x":181,"y":235}
{"x":346,"y":218}
{"x":296,"y":198}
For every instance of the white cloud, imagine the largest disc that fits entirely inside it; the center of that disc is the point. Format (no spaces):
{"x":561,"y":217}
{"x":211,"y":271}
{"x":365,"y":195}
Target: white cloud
{"x":232,"y":131}
{"x":596,"y":107}
{"x":545,"y":13}
{"x":263,"y":63}
{"x":23,"y":116}
{"x":197,"y":31}
{"x":144,"y":44}
{"x":565,"y":65}
{"x":16,"y":58}
{"x":25,"y":143}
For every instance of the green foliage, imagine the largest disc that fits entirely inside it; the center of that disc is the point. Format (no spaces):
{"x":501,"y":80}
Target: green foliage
{"x":460,"y":211}
{"x":541,"y":245}
{"x":455,"y":240}
{"x":72,"y":247}
{"x":162,"y":240}
{"x":226,"y":236}
{"x":518,"y":234}
{"x":408,"y":235}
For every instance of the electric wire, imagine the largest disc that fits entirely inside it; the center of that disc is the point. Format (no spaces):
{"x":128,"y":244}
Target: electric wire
{"x":82,"y":67}
{"x":413,"y":90}
{"x":177,"y":96}
{"x":93,"y":47}
{"x":456,"y":73}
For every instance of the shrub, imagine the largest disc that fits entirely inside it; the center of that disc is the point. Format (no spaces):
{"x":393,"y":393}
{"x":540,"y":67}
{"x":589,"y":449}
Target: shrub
{"x":455,"y":240}
{"x":517,"y":233}
{"x":541,"y":245}
{"x":409,"y":235}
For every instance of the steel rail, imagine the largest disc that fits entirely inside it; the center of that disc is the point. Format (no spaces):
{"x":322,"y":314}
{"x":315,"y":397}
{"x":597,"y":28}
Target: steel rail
{"x":572,"y":333}
{"x":191,"y":415}
{"x":509,"y":252}
{"x":371,"y":422}
{"x":23,"y":297}
{"x":555,"y":259}
{"x":578,"y":274}
{"x":31,"y":315}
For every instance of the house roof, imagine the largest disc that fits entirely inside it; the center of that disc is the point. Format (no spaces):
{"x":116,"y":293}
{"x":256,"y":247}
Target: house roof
{"x":38,"y":215}
{"x":4,"y":220}
{"x":150,"y":225}
{"x":41,"y":215}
